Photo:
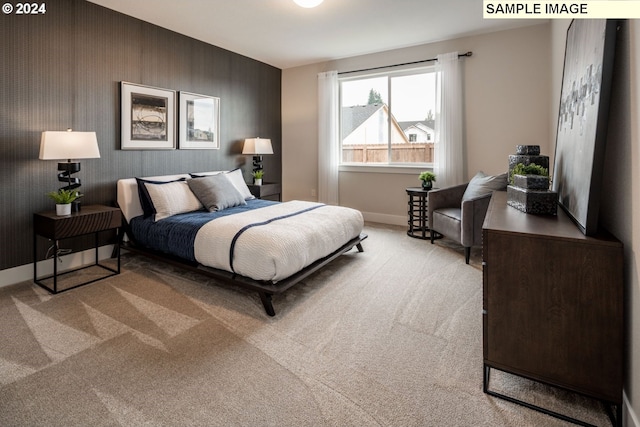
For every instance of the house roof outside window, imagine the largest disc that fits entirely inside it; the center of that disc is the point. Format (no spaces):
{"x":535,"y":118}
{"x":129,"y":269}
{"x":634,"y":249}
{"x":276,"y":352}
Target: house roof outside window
{"x":360,"y":123}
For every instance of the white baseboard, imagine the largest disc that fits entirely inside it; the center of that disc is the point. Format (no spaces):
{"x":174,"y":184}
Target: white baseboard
{"x":384,"y":218}
{"x":629,"y":417}
{"x":23,"y":273}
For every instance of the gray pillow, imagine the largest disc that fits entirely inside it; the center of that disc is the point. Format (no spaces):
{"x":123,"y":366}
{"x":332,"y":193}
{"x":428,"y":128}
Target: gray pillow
{"x":216,"y":192}
{"x":483,"y":184}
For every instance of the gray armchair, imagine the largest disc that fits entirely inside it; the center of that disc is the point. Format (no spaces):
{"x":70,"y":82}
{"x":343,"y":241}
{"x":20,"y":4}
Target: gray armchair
{"x":458,"y":212}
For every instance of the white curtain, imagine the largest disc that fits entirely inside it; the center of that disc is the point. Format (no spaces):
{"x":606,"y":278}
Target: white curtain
{"x":328,"y":137}
{"x":448,"y":160}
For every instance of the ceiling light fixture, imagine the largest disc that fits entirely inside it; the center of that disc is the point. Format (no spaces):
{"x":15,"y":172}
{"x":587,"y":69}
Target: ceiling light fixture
{"x":308,"y":3}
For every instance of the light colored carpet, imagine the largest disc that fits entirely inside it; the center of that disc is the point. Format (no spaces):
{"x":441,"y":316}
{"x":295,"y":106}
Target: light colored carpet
{"x":388,"y":337}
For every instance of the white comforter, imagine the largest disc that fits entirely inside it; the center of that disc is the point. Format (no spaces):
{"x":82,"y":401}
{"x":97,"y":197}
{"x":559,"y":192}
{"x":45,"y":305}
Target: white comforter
{"x":276,"y":247}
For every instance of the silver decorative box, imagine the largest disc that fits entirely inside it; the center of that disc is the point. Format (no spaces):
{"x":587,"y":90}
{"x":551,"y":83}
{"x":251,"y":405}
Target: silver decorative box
{"x":540,"y":202}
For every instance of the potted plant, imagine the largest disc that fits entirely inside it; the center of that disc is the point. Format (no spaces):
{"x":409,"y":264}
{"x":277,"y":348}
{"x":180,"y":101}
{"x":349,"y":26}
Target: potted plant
{"x":257,"y":177}
{"x":427,"y":178}
{"x":63,"y":199}
{"x":530,"y":169}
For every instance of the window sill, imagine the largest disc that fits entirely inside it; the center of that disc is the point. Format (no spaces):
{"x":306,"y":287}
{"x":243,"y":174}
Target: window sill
{"x":396,"y":169}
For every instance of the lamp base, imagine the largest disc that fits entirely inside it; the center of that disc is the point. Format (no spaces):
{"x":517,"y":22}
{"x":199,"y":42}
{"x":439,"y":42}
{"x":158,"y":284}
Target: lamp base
{"x":257,"y":163}
{"x":65,"y":171}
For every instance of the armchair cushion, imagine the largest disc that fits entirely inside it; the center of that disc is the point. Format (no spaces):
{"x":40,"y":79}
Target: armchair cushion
{"x":449,"y":197}
{"x":448,"y":222}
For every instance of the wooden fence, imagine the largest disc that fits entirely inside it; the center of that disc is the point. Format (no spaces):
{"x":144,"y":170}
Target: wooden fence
{"x":400,"y":153}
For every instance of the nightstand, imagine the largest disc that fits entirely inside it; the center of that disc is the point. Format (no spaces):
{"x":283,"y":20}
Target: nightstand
{"x":92,"y":219}
{"x":417,"y":211}
{"x":266,"y":190}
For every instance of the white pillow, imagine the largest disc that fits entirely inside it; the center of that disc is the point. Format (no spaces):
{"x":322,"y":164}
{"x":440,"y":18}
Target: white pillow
{"x":172,"y":198}
{"x":236,"y":178}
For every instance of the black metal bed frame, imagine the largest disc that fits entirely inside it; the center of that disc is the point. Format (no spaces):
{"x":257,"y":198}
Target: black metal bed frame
{"x":265,"y":289}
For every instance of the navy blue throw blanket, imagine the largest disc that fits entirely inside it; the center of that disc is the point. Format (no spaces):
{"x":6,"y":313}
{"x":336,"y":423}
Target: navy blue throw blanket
{"x":176,"y":235}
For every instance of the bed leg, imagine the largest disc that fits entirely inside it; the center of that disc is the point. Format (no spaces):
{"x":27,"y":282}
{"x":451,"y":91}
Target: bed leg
{"x":266,"y":302}
{"x":359,"y":247}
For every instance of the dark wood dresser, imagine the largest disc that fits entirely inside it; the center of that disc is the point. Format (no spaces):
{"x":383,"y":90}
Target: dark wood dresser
{"x":552,"y":304}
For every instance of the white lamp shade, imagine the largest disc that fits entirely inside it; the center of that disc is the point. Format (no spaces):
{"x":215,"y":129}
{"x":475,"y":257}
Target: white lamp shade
{"x":68,"y":145}
{"x":257,"y":146}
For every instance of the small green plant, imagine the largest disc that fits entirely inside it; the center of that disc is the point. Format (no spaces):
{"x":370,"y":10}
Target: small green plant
{"x":427,"y":176}
{"x":63,"y":197}
{"x":530,"y":169}
{"x":258,"y":174}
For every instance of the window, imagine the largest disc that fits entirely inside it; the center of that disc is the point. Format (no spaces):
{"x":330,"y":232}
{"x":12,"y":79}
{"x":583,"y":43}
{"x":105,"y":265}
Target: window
{"x":388,"y":119}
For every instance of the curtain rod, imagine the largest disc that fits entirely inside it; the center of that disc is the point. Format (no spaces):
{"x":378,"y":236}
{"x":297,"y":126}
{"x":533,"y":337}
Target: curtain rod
{"x":400,"y":65}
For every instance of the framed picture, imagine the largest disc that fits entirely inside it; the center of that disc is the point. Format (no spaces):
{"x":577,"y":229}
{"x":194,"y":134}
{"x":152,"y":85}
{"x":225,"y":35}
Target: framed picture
{"x":147,"y":118}
{"x":199,"y":121}
{"x":583,"y":119}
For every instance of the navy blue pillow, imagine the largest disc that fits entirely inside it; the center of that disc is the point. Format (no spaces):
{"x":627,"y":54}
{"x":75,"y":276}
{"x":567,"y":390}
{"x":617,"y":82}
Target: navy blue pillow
{"x":145,"y":199}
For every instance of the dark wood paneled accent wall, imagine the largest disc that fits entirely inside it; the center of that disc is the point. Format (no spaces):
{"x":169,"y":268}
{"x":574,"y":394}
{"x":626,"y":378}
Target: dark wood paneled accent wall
{"x":62,"y":69}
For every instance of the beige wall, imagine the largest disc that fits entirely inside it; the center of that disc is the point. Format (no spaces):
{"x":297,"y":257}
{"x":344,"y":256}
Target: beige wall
{"x":507,"y":90}
{"x":620,"y":201}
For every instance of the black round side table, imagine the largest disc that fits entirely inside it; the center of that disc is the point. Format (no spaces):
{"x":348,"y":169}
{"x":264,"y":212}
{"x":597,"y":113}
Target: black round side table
{"x":417,"y":211}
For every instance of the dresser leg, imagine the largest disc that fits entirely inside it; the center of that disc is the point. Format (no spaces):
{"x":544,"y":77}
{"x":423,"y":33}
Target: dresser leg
{"x":485,"y":378}
{"x":485,"y":387}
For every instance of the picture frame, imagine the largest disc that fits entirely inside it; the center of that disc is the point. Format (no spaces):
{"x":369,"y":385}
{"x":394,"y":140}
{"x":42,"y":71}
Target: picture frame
{"x":199,"y":124}
{"x":583,"y":119}
{"x":147,"y":117}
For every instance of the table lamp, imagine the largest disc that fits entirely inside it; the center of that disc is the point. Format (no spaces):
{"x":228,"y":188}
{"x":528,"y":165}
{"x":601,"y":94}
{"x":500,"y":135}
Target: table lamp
{"x":257,"y":147}
{"x":60,"y":145}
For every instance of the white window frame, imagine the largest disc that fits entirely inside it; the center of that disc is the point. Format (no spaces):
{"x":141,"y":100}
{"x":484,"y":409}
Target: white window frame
{"x":390,"y":167}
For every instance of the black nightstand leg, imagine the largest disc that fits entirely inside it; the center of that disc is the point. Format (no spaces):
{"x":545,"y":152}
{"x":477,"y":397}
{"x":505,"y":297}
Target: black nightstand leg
{"x":117,"y":247}
{"x":35,"y":257}
{"x":56,"y":249}
{"x":97,"y":248}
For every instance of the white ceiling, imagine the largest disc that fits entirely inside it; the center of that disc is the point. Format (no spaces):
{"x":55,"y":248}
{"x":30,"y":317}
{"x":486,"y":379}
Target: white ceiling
{"x":285,"y":35}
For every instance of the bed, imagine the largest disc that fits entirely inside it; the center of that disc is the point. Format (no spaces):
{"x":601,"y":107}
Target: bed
{"x":210,"y":222}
